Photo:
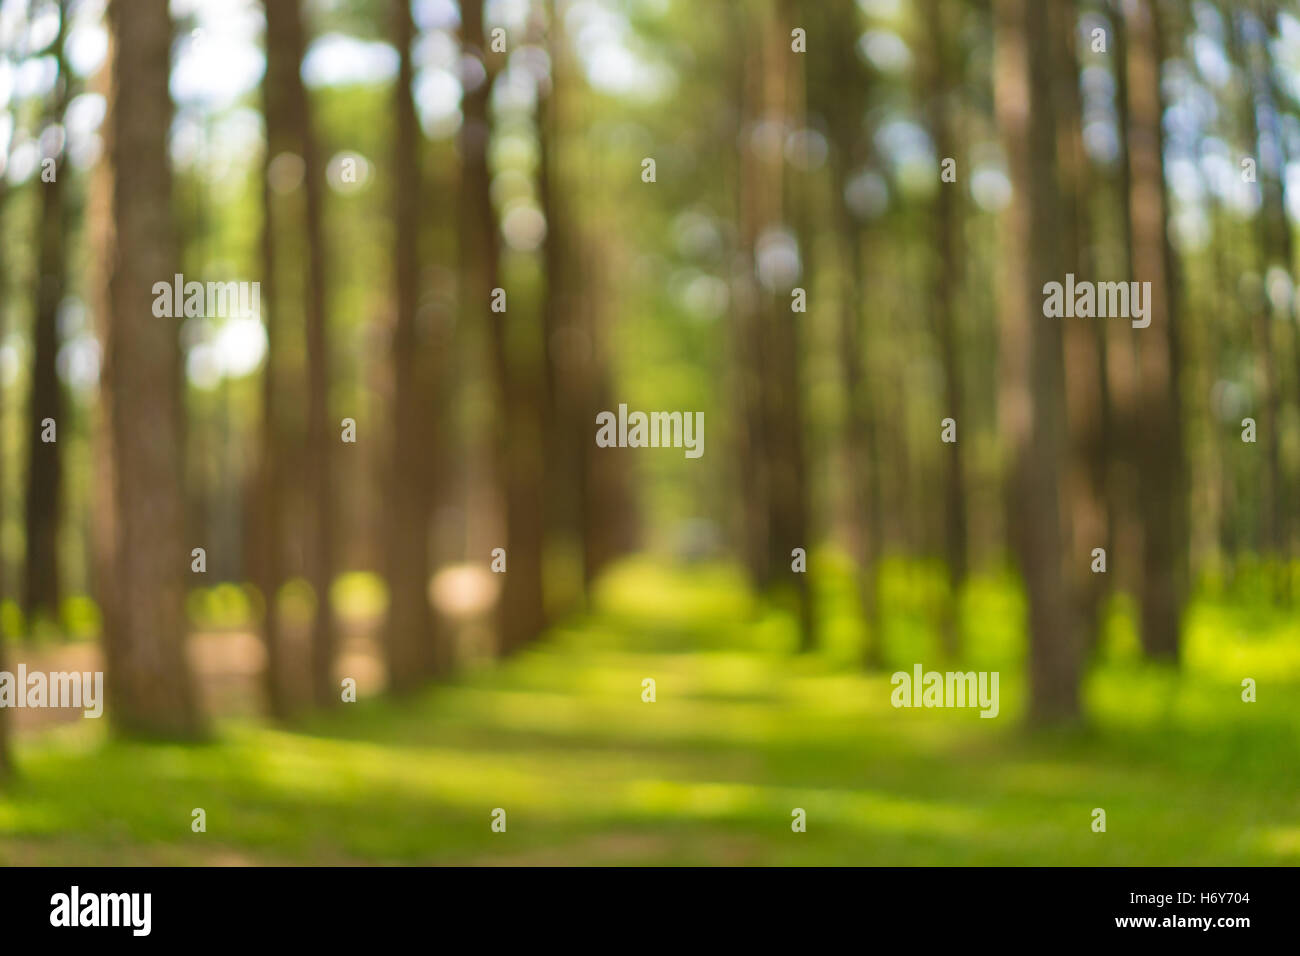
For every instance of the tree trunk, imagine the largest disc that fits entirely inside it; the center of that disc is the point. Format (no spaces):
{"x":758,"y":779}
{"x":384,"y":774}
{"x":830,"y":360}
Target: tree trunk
{"x":1030,"y":400}
{"x":44,"y":501}
{"x":1158,"y":428}
{"x":947,"y":265}
{"x":1085,"y":484}
{"x":6,"y":759}
{"x":521,"y":612}
{"x":277,"y":107}
{"x":610,"y":526}
{"x":860,"y":438}
{"x":839,"y":86}
{"x":1122,"y":375}
{"x":414,"y":651}
{"x":751,"y":474}
{"x":776,"y":487}
{"x":287,"y":42}
{"x":589,"y":500}
{"x":790,"y":506}
{"x":150,"y":688}
{"x":564,"y":357}
{"x":1267,"y":143}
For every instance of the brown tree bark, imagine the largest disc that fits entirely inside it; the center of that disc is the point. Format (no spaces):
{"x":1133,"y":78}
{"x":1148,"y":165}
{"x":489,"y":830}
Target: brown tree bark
{"x":947,"y":268}
{"x":860,"y":443}
{"x":520,"y":609}
{"x":1282,"y":242}
{"x":1122,"y":374}
{"x":277,"y":108}
{"x":1085,"y":480}
{"x":1269,"y":535}
{"x":1031,"y":401}
{"x":287,"y":42}
{"x":413,"y":647}
{"x":1267,"y":142}
{"x":750,"y":453}
{"x":150,"y":687}
{"x":6,"y":758}
{"x":6,"y":755}
{"x":838,"y":85}
{"x":44,"y":498}
{"x":566,"y":371}
{"x":790,"y":506}
{"x":1158,"y":428}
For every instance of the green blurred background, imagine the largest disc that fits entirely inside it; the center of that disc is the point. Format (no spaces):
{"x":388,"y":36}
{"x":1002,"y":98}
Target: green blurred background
{"x":381,"y":167}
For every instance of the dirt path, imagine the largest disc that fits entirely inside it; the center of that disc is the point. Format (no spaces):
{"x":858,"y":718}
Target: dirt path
{"x":228,"y":665}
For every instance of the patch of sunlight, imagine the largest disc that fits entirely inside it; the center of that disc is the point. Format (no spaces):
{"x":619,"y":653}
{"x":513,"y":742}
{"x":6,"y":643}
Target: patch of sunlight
{"x":1228,"y":646}
{"x":1281,"y":841}
{"x":671,"y":798}
{"x":359,"y":595}
{"x":918,"y":819}
{"x":840,"y":694}
{"x":464,"y":590}
{"x":932,"y":734}
{"x":221,"y":607}
{"x":875,"y":811}
{"x":729,"y":675}
{"x":1047,"y":778}
{"x":618,"y":676}
{"x":1195,"y":709}
{"x":1119,"y":641}
{"x":75,"y":738}
{"x":337,"y":772}
{"x":1141,"y":697}
{"x":658,"y":594}
{"x":619,"y":680}
{"x":842,"y":636}
{"x":29,"y":818}
{"x":671,"y":717}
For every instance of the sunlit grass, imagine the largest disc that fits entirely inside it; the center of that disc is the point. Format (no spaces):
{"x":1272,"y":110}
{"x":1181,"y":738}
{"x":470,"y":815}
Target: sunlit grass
{"x":741,"y":734}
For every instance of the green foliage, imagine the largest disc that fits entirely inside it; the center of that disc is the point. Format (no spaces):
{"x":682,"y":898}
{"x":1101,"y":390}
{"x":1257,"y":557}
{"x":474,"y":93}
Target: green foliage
{"x":81,"y":618}
{"x":222,"y":607}
{"x":11,"y":619}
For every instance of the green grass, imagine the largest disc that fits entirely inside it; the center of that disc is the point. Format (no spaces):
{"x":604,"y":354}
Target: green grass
{"x":741,"y":733}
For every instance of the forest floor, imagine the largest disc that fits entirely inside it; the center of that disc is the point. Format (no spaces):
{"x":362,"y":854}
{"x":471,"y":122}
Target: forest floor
{"x":741,"y":733}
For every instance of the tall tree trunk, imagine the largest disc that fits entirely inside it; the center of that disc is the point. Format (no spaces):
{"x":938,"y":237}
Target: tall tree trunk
{"x":150,"y":687}
{"x":751,"y":474}
{"x":1271,"y":511}
{"x":321,"y":436}
{"x":790,"y":506}
{"x":277,"y":107}
{"x":521,"y":611}
{"x":947,"y":265}
{"x":839,"y":85}
{"x":1283,"y":244}
{"x":609,"y":518}
{"x":1268,"y":142}
{"x":414,"y":651}
{"x":44,"y":500}
{"x":1085,"y":485}
{"x":860,"y":436}
{"x":6,"y":759}
{"x":565,"y":371}
{"x":1161,"y":487}
{"x":1122,"y":374}
{"x":1030,"y":400}
{"x":287,"y":41}
{"x":588,"y":497}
